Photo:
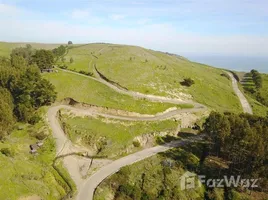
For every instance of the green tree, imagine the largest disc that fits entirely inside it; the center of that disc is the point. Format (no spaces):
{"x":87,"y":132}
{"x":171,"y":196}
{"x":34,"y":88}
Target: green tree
{"x":6,"y":112}
{"x":71,"y":60}
{"x":44,"y":59}
{"x":70,"y":42}
{"x":59,"y":51}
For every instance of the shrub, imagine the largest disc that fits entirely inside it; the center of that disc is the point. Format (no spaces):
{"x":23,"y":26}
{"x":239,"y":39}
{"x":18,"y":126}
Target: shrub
{"x":126,"y":189}
{"x":34,"y":119}
{"x":225,"y":75}
{"x":7,"y":152}
{"x":187,"y":82}
{"x":136,"y":144}
{"x":39,"y":135}
{"x":71,"y":60}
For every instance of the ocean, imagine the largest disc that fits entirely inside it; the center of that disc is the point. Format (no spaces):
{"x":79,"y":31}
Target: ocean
{"x":237,"y":63}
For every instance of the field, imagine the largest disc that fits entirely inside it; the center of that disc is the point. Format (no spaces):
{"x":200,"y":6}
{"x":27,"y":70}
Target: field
{"x":24,"y":174}
{"x":6,"y":47}
{"x":113,"y":138}
{"x":86,"y":90}
{"x":153,"y":72}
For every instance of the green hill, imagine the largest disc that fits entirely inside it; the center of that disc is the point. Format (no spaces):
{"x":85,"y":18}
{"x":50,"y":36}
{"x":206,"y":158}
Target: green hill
{"x":154,"y":72}
{"x":6,"y":47}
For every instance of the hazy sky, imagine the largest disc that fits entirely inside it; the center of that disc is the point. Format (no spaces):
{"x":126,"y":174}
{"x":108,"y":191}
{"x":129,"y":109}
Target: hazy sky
{"x":212,"y":27}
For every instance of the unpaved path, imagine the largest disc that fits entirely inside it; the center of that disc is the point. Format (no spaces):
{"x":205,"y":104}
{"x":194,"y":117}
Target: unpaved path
{"x":244,"y":102}
{"x":88,"y":189}
{"x":138,"y":95}
{"x":64,"y":146}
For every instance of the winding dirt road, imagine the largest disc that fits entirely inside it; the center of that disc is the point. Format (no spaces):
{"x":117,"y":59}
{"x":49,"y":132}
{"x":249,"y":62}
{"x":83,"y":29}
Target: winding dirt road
{"x":244,"y":102}
{"x":86,"y":187}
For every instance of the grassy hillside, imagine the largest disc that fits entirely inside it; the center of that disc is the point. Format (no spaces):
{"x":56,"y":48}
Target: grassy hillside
{"x":264,"y":89}
{"x":247,"y":85}
{"x":157,"y":73}
{"x":113,"y":138}
{"x":6,"y":47}
{"x":90,"y":91}
{"x":24,"y":174}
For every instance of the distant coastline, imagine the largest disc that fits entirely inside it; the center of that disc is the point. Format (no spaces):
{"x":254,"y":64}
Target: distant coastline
{"x":239,"y":63}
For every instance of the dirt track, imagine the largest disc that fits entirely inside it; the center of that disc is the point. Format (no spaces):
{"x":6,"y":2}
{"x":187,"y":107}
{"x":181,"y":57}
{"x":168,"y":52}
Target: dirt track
{"x":87,"y":187}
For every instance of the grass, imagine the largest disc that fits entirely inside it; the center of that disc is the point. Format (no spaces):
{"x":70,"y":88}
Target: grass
{"x":246,"y":85}
{"x":264,"y":89}
{"x":90,"y":91}
{"x":6,"y":47}
{"x":157,"y":73}
{"x":112,"y":138}
{"x":24,"y":174}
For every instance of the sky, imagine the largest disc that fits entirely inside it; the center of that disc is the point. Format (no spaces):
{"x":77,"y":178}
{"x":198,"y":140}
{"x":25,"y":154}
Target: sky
{"x":185,"y":27}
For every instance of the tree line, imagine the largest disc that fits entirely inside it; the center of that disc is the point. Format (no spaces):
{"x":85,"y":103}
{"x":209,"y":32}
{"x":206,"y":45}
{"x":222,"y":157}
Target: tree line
{"x":258,"y":81}
{"x":242,"y":142}
{"x":22,"y":89}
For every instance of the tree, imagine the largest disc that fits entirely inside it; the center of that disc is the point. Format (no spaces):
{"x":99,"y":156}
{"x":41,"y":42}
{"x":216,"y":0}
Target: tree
{"x":59,"y":51}
{"x":70,"y":42}
{"x":187,"y":82}
{"x":71,"y":60}
{"x":31,"y":92}
{"x":25,"y":52}
{"x":6,"y":112}
{"x":18,"y":61}
{"x":44,"y":59}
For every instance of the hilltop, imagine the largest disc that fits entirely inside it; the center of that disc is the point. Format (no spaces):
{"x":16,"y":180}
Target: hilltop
{"x":152,"y":72}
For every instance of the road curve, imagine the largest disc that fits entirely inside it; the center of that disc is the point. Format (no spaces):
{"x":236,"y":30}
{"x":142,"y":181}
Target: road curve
{"x":244,"y":102}
{"x":87,"y":187}
{"x":138,"y":95}
{"x":93,"y":181}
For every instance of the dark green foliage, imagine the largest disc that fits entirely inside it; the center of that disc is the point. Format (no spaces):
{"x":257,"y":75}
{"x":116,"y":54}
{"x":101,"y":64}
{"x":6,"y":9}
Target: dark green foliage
{"x":31,"y":92}
{"x":6,"y":112}
{"x":187,"y":82}
{"x":34,"y":119}
{"x":22,"y":89}
{"x":7,"y":152}
{"x":44,"y":59}
{"x":71,"y":60}
{"x":257,"y":79}
{"x":25,"y":52}
{"x":86,"y":73}
{"x":39,"y":135}
{"x":70,"y":42}
{"x":255,"y":91}
{"x":242,"y":141}
{"x":59,"y":51}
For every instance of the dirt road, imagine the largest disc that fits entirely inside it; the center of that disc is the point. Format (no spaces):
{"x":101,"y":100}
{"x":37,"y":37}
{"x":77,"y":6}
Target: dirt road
{"x":244,"y":102}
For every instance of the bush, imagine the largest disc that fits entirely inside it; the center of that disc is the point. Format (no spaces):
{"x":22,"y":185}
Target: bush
{"x":126,"y":189}
{"x":86,"y":73}
{"x":39,"y":135}
{"x":225,"y":75}
{"x":34,"y":119}
{"x":136,"y":144}
{"x":63,"y":66}
{"x":187,"y":82}
{"x":7,"y":152}
{"x":71,"y":60}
